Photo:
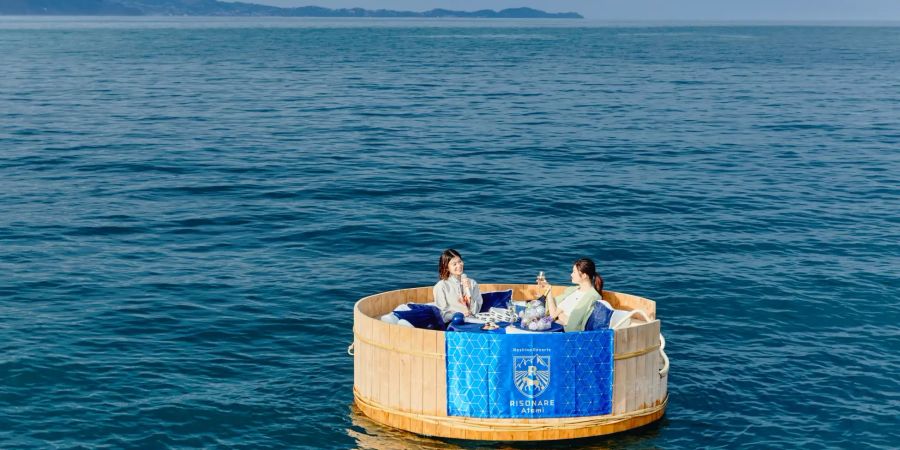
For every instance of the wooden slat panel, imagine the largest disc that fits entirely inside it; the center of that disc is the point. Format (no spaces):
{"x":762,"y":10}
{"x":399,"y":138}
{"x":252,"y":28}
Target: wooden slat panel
{"x":440,"y":376}
{"x":358,"y":373}
{"x":488,"y":287}
{"x":371,"y":359}
{"x":618,"y":400}
{"x":385,"y":303}
{"x":421,"y":295}
{"x":412,"y":296}
{"x":625,"y":340}
{"x":382,"y":363}
{"x":429,"y":372}
{"x":624,"y":344}
{"x":638,"y":362}
{"x":369,"y":362}
{"x":390,"y":301}
{"x":629,"y":383}
{"x":651,"y":372}
{"x":404,"y":374}
{"x":652,"y":378}
{"x":374,"y":368}
{"x":362,"y":351}
{"x":521,"y":293}
{"x":416,"y":382}
{"x":363,"y":305}
{"x":641,"y":380}
{"x":375,"y":310}
{"x":393,"y":374}
{"x":644,"y":380}
{"x":629,"y":368}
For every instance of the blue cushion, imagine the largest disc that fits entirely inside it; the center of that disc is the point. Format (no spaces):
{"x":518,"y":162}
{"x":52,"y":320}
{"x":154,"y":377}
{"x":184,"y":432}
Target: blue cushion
{"x":498,"y":299}
{"x":599,"y":318}
{"x":422,"y":316}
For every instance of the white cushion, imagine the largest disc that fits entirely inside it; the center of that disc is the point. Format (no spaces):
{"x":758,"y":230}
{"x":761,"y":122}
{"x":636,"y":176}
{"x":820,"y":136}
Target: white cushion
{"x":390,"y":318}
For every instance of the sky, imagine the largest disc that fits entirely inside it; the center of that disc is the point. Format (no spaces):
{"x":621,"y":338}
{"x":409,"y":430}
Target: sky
{"x":750,"y":10}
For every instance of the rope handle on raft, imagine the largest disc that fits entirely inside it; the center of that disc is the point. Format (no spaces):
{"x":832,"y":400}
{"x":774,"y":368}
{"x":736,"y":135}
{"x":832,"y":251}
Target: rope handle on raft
{"x":350,"y":349}
{"x":631,"y":314}
{"x":665,"y":359}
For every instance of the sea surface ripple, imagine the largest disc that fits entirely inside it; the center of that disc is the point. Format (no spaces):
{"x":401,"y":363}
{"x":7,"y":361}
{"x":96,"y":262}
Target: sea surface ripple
{"x":190,"y":207}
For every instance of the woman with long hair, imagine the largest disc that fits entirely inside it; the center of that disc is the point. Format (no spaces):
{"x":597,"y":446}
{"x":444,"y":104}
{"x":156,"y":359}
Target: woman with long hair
{"x":455,"y":292}
{"x":575,"y":304}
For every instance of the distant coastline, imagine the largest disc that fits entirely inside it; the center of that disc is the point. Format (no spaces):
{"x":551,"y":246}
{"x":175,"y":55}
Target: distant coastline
{"x":219,"y":8}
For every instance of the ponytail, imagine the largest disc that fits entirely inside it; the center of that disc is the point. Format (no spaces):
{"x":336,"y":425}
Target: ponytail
{"x":598,"y":283}
{"x":587,"y":267}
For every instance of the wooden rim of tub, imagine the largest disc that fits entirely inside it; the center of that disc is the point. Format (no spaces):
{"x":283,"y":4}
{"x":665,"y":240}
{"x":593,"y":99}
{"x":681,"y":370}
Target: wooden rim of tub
{"x":399,"y":376}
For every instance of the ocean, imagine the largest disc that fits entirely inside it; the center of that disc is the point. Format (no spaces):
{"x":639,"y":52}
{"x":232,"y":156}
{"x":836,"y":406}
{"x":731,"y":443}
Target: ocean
{"x":190,"y":207}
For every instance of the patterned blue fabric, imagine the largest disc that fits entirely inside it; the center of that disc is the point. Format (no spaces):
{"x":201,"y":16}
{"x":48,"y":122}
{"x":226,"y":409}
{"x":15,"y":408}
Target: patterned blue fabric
{"x":599,"y":318}
{"x":529,"y":375}
{"x":498,"y":299}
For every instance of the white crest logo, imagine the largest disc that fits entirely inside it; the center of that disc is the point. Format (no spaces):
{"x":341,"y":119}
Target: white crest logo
{"x":531,"y":374}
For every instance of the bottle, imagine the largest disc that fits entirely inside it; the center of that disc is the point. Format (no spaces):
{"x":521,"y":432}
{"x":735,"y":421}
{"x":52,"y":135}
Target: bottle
{"x":541,"y":278}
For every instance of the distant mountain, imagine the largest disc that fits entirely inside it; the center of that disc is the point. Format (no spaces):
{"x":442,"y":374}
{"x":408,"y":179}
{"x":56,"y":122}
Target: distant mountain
{"x":219,"y":8}
{"x":66,"y":7}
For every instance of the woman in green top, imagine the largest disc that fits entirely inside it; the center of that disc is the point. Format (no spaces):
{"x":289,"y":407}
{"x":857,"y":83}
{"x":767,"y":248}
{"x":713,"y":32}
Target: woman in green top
{"x":575,"y":304}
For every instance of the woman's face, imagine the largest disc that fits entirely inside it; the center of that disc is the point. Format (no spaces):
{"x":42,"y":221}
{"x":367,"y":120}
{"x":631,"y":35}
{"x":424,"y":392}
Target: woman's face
{"x":577,"y":276}
{"x":456,"y":266}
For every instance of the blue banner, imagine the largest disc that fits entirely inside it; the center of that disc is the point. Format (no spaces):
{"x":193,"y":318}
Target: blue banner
{"x":529,"y":375}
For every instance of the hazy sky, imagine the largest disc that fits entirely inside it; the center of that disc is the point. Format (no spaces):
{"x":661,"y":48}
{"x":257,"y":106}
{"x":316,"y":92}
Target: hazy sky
{"x":649,"y":9}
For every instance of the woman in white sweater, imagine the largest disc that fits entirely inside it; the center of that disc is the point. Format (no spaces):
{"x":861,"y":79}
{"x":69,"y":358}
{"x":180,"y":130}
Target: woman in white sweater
{"x":455,"y":293}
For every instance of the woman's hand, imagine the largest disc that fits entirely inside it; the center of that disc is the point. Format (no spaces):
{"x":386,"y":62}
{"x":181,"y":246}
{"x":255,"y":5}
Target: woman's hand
{"x":466,"y":297}
{"x":467,"y":302}
{"x":544,"y":288}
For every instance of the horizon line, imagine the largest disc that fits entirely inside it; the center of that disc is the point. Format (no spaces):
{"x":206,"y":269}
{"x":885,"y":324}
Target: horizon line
{"x":565,"y":20}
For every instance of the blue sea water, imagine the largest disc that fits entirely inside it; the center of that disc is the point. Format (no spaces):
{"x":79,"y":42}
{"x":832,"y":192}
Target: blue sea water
{"x":190,"y":207}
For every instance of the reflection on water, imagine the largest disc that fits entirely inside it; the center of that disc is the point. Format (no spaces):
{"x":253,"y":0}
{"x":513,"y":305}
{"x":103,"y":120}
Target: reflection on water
{"x":375,"y":436}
